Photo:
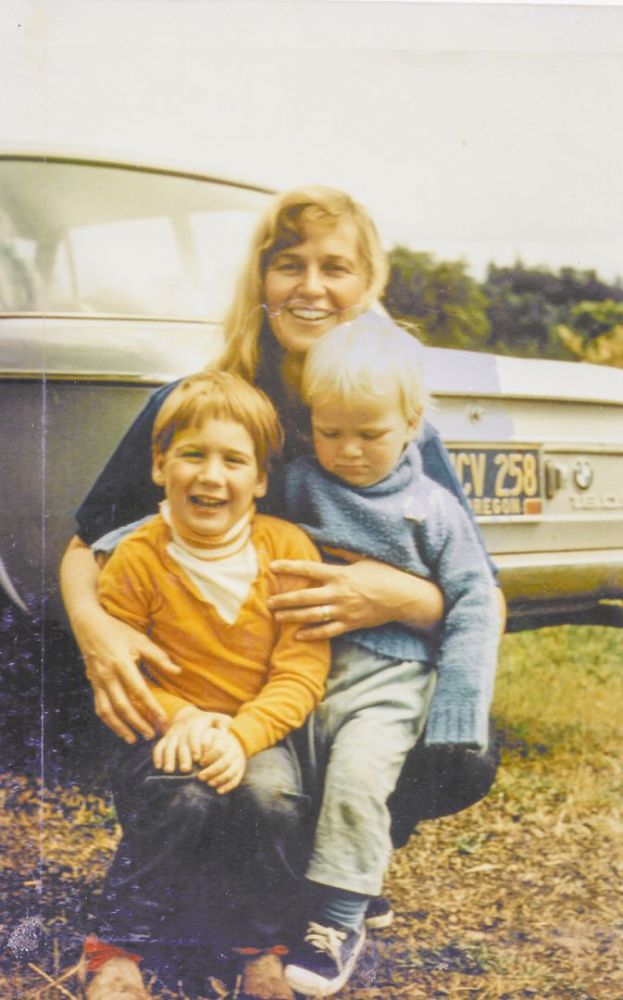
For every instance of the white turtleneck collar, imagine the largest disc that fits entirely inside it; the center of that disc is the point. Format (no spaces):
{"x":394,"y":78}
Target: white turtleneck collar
{"x":224,"y":570}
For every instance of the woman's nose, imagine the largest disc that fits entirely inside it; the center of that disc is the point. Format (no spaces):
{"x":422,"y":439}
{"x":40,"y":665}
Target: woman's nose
{"x":311,"y":282}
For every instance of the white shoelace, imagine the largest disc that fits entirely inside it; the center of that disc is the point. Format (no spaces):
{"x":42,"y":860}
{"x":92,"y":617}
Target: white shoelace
{"x":326,"y":939}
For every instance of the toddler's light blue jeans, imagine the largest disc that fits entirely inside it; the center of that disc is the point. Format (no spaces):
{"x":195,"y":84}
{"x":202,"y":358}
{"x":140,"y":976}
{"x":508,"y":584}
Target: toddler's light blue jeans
{"x":373,"y":713}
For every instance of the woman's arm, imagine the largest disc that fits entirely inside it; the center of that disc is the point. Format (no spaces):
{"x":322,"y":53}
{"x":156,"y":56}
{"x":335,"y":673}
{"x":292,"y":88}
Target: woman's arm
{"x":361,"y":595}
{"x":436,"y":463}
{"x":112,"y":651}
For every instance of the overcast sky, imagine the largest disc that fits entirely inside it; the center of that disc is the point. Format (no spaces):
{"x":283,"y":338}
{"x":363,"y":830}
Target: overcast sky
{"x":481,"y":131}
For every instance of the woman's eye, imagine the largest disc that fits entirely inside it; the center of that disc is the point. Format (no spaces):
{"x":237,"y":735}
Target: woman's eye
{"x":192,"y":455}
{"x":235,"y":460}
{"x":337,"y":269}
{"x":287,"y":267}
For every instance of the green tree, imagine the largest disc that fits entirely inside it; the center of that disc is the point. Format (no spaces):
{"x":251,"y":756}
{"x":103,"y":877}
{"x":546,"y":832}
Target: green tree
{"x":528,"y":305}
{"x":443,"y":303}
{"x":594,"y":332}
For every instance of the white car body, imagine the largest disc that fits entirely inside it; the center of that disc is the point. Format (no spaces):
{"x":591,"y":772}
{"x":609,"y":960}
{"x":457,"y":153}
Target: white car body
{"x":537,"y":444}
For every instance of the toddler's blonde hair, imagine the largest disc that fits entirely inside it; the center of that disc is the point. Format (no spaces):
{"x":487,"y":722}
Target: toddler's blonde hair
{"x":369,"y":356}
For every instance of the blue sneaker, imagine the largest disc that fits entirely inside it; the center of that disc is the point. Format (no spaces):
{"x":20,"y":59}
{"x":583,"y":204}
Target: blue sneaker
{"x":379,"y":913}
{"x":325,"y":960}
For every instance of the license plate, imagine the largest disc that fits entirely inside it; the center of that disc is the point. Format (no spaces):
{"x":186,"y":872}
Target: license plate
{"x":499,"y":481}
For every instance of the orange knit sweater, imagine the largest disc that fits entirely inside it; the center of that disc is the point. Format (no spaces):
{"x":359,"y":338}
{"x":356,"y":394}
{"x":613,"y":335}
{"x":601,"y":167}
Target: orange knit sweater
{"x":254,"y":670}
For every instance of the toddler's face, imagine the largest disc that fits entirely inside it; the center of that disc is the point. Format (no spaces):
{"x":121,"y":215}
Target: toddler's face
{"x":210,"y":477}
{"x":360,"y":443}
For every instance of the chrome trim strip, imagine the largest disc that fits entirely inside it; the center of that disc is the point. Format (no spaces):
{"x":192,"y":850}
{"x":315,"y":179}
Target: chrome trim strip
{"x":504,"y":396}
{"x":602,"y":562}
{"x":111,"y":317}
{"x":160,"y":378}
{"x":121,"y":378}
{"x":546,"y":447}
{"x":495,"y":445}
{"x":581,"y":448}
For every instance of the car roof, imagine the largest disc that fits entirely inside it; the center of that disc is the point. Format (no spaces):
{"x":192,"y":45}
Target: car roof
{"x":60,"y":153}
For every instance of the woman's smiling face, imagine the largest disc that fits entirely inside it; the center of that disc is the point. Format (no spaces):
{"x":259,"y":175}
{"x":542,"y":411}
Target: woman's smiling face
{"x":311,"y":287}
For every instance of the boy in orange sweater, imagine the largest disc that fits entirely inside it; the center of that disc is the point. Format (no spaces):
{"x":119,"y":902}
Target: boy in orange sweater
{"x":220,"y":791}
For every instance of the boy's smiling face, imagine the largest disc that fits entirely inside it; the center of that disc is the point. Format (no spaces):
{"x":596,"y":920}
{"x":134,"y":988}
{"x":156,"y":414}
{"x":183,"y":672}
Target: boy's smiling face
{"x":210,"y":477}
{"x":361,"y":442}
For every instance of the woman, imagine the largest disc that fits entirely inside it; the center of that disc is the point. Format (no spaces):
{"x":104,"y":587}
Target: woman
{"x":315,"y":262}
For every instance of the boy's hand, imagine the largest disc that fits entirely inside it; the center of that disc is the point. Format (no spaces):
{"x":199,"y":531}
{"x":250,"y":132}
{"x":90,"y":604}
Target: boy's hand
{"x":188,"y":738}
{"x":224,"y":763}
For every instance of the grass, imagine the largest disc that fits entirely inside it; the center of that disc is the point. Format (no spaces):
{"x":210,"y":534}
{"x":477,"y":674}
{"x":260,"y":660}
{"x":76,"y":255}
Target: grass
{"x":518,"y":897}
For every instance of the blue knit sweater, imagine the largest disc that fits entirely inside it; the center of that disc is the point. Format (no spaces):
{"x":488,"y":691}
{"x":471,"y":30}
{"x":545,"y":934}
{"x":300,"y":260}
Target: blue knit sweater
{"x":410,"y":522}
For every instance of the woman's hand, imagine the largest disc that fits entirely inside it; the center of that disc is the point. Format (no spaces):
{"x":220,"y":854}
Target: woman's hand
{"x":112,"y":652}
{"x":360,"y":595}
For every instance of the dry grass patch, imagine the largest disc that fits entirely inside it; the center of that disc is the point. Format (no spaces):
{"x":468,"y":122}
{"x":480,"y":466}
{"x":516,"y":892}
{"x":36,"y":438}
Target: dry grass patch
{"x":517,"y":898}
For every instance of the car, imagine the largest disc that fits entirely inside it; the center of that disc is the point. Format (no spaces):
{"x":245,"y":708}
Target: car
{"x":113,"y":279}
{"x":538,"y":447}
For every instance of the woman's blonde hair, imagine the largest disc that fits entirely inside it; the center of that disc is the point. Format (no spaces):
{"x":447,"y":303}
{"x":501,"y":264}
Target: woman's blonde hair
{"x":220,"y":396}
{"x":369,"y":357}
{"x":282,"y":226}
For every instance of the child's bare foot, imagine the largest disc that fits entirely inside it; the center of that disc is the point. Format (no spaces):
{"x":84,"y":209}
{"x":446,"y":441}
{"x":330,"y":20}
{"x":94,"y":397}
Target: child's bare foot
{"x":263,"y":979}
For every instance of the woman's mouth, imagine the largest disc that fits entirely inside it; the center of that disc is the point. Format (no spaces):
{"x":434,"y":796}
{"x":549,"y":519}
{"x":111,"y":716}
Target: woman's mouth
{"x":310,"y":315}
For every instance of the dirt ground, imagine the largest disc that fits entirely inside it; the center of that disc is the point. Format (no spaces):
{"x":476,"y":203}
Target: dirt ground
{"x":518,"y":897}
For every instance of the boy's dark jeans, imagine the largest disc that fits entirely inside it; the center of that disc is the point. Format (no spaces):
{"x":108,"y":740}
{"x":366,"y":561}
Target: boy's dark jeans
{"x":198,"y":869}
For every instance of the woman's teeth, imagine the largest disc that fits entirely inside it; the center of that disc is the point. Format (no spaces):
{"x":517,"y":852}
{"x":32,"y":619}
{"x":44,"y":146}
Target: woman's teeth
{"x":311,"y":314}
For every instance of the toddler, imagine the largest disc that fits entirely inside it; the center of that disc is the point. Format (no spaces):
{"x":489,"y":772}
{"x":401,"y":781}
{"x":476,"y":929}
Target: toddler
{"x":364,"y":495}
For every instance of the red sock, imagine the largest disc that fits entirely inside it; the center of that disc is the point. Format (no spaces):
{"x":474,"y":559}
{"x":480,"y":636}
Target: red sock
{"x":97,"y":953}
